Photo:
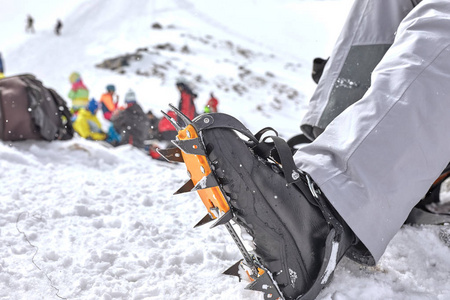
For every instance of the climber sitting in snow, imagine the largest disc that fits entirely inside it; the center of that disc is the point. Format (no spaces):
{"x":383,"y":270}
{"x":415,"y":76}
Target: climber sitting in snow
{"x":153,"y":122}
{"x":87,"y":125}
{"x":79,"y":94}
{"x":109,"y":101}
{"x":131,"y":123}
{"x":166,"y":131}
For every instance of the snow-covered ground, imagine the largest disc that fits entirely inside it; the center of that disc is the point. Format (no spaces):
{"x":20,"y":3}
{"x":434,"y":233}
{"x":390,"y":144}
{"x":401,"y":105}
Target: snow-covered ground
{"x":81,"y":221}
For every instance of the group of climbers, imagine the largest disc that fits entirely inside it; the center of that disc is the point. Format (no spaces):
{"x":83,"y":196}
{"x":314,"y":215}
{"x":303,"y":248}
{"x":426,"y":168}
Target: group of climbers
{"x":128,"y":124}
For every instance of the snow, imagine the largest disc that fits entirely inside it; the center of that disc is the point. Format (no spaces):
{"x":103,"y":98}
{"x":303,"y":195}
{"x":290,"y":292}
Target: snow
{"x":331,"y":266}
{"x":82,"y":221}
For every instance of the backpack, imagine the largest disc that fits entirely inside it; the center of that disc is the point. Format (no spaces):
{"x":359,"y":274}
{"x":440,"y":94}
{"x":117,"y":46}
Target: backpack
{"x":28,"y":110}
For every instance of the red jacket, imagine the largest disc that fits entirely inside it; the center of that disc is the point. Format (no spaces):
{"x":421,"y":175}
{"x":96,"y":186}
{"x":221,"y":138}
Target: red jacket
{"x":165,"y":125}
{"x":187,"y":105}
{"x":212,"y":104}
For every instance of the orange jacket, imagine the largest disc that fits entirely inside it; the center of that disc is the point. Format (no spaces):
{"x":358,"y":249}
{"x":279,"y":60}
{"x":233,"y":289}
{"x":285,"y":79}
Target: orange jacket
{"x":108,"y":101}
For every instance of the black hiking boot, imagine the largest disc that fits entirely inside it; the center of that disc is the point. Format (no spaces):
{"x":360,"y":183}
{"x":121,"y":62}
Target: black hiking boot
{"x":297,"y":236}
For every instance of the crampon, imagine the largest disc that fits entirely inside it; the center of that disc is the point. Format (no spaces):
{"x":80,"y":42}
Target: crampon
{"x":296,"y":241}
{"x":190,"y":150}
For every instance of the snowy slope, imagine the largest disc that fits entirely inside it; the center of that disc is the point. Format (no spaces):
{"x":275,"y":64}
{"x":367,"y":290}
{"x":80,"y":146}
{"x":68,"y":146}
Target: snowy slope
{"x":94,"y":31}
{"x":81,"y":221}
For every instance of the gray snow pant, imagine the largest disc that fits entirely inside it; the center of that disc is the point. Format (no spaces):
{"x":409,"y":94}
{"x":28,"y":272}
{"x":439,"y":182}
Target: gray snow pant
{"x":377,"y":158}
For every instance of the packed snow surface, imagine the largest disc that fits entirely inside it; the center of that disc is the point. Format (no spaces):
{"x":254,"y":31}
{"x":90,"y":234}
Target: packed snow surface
{"x":82,"y":221}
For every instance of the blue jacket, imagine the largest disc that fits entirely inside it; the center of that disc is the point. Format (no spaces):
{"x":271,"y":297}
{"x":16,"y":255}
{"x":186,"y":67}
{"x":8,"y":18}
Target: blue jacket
{"x":1,"y":64}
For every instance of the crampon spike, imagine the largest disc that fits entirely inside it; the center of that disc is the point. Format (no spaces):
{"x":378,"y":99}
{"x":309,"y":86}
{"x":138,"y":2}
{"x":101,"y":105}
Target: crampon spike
{"x":186,"y":188}
{"x":206,"y":219}
{"x":180,"y":115}
{"x":234,"y":270}
{"x":225,"y":218}
{"x":172,"y":120}
{"x":191,"y":146}
{"x":265,"y":284}
{"x":206,"y":182}
{"x":171,"y":154}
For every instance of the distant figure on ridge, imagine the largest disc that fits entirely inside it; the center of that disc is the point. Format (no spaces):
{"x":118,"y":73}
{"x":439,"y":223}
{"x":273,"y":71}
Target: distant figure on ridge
{"x":30,"y":26}
{"x":58,"y":27}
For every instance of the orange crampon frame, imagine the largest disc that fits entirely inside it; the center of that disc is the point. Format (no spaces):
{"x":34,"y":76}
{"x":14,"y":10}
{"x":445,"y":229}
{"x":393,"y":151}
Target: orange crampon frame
{"x":191,"y":151}
{"x":199,"y":169}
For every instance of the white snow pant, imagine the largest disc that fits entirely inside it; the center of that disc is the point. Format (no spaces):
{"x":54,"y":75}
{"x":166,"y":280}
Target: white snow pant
{"x":378,"y":158}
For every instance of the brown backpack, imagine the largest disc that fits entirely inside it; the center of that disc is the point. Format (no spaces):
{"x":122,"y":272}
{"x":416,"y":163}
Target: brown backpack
{"x":28,"y":110}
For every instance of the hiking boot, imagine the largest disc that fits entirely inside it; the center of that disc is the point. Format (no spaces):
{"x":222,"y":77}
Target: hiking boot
{"x":297,"y":236}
